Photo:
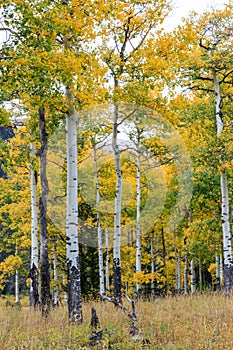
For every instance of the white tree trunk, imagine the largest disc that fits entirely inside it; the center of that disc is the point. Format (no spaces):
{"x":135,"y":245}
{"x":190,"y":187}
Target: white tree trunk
{"x":107,"y":260}
{"x":55,"y":276}
{"x":17,"y":286}
{"x":72,"y":250}
{"x":225,"y":215}
{"x":193,"y":276}
{"x":138,"y":214}
{"x":99,"y":230}
{"x":217,"y":262}
{"x":152,"y":263}
{"x":34,"y":286}
{"x":200,"y":274}
{"x":43,"y":201}
{"x":117,"y":211}
{"x":178,"y":272}
{"x":185,"y":274}
{"x":221,"y":270}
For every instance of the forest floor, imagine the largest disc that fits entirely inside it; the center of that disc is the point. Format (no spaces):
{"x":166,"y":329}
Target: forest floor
{"x":200,"y":322}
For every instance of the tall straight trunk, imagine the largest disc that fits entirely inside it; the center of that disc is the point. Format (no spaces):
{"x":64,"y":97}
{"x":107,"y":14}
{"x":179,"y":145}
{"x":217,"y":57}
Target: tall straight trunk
{"x":178,"y":272}
{"x":185,"y":274}
{"x":44,"y":258}
{"x":107,"y":261}
{"x":193,"y":276}
{"x":55,"y":276}
{"x":117,"y":210}
{"x":72,"y":248}
{"x":200,"y":274}
{"x":34,"y":275}
{"x":99,"y":230}
{"x":225,"y":212}
{"x":17,"y":286}
{"x":221,"y":270}
{"x":164,"y":254}
{"x":217,"y":263}
{"x":138,"y":227}
{"x":152,"y":263}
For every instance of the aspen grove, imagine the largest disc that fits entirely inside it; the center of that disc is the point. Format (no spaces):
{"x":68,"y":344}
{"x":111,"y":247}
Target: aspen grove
{"x":116,"y":154}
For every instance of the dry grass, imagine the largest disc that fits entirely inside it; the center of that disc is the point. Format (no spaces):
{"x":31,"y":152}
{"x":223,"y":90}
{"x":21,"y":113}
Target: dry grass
{"x":179,"y":323}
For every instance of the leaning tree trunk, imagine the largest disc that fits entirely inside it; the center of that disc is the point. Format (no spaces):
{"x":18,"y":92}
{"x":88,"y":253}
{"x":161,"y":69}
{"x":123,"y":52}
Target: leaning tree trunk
{"x":72,"y":249}
{"x":225,"y":212}
{"x":34,"y":276}
{"x":99,"y":230}
{"x":117,"y":211}
{"x":44,"y":259}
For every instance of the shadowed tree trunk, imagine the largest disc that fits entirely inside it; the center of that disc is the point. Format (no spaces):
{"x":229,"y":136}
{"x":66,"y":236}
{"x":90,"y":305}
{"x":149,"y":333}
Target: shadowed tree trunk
{"x":44,"y":259}
{"x":117,"y":210}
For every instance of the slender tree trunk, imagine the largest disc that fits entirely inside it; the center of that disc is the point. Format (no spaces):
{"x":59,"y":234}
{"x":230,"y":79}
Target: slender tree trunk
{"x":117,"y":211}
{"x":72,"y":249}
{"x":152,"y":262}
{"x":55,"y":276}
{"x":164,"y":254}
{"x":99,"y":230}
{"x":193,"y":276}
{"x":200,"y":274}
{"x":185,"y":274}
{"x":17,"y":286}
{"x":138,"y":214}
{"x":107,"y":261}
{"x":221,"y":271}
{"x":225,"y":215}
{"x":217,"y":262}
{"x":178,"y":272}
{"x":44,"y":259}
{"x":34,"y":275}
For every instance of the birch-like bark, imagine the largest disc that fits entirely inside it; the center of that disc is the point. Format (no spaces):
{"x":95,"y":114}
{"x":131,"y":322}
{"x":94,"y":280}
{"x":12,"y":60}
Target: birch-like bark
{"x":152,"y":263}
{"x":185,"y":274}
{"x":107,"y":261}
{"x":217,"y":263}
{"x":99,"y":230}
{"x":55,"y":276}
{"x":225,"y":214}
{"x":200,"y":274}
{"x":17,"y":287}
{"x":221,"y":270}
{"x":34,"y":274}
{"x":193,"y":276}
{"x":72,"y":249}
{"x":164,"y":254}
{"x":138,"y":214}
{"x":117,"y":210}
{"x":44,"y":258}
{"x":178,"y":272}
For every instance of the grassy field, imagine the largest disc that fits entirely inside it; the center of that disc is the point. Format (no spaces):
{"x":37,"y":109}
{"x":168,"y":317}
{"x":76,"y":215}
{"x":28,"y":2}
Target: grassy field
{"x":175,"y":323}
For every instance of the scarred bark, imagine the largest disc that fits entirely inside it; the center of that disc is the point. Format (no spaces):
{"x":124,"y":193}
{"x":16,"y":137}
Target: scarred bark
{"x":72,"y":248}
{"x":225,"y":212}
{"x":117,"y":211}
{"x":99,"y":229}
{"x":44,"y":259}
{"x":33,"y":274}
